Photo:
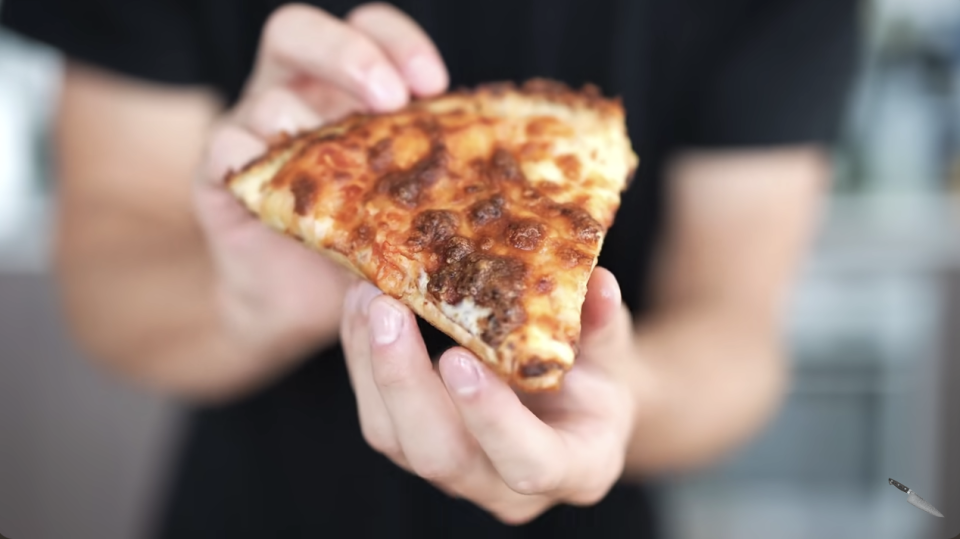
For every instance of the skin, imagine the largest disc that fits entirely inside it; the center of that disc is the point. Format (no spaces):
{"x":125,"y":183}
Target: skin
{"x":167,"y":280}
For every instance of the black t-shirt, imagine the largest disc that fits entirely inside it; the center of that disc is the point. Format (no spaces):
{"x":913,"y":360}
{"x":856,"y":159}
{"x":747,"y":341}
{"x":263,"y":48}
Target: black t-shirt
{"x":290,"y":461}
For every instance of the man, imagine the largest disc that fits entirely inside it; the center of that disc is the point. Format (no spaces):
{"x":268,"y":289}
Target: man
{"x":167,"y":280}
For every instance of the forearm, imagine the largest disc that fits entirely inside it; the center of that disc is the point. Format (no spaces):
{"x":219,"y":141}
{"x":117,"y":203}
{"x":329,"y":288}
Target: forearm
{"x":704,"y":381}
{"x":135,"y":269}
{"x":710,"y":369}
{"x":708,"y":383}
{"x":142,"y":297}
{"x":139,"y":297}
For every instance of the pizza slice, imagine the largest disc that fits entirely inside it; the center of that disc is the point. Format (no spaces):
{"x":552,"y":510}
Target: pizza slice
{"x":483,"y":210}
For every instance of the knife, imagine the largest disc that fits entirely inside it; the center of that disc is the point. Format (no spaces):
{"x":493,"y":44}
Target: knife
{"x":915,"y":500}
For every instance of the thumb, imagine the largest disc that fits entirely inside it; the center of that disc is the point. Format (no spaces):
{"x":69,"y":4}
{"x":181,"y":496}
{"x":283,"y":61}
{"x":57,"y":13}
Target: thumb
{"x":230,"y":148}
{"x":604,"y":320}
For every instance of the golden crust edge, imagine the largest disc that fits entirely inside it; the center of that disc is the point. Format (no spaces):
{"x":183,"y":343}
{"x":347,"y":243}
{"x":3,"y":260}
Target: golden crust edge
{"x":589,"y":96}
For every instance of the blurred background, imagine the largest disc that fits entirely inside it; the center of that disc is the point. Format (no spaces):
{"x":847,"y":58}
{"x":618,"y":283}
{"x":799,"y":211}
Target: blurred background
{"x":875,"y":333}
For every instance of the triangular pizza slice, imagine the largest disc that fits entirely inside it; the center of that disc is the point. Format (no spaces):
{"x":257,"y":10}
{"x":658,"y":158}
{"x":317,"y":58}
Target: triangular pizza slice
{"x":483,"y":210}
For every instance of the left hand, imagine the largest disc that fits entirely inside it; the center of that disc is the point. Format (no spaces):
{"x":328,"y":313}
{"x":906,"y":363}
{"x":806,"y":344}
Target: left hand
{"x":466,"y":431}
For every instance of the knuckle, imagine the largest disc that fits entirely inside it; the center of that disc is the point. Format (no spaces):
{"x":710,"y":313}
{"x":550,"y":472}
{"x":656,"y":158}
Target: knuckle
{"x":440,"y":470}
{"x":281,"y":20}
{"x":589,"y":496}
{"x":537,"y":483}
{"x":280,"y":37}
{"x":380,"y":440}
{"x":435,"y":470}
{"x":516,"y":516}
{"x":594,"y":488}
{"x":390,"y":372}
{"x":371,"y":10}
{"x":404,"y":45}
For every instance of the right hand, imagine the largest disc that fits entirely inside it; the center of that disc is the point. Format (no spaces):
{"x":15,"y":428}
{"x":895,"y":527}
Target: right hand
{"x":277,"y":300}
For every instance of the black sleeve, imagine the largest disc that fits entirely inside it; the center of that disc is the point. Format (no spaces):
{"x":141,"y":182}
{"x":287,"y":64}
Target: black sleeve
{"x":155,"y":40}
{"x":779,"y":74}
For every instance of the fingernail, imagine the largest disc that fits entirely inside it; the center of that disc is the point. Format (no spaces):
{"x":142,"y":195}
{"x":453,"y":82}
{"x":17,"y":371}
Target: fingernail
{"x":464,"y":377}
{"x":426,"y":74}
{"x":364,"y":293}
{"x":386,"y":321}
{"x":386,"y":89}
{"x":609,"y":293}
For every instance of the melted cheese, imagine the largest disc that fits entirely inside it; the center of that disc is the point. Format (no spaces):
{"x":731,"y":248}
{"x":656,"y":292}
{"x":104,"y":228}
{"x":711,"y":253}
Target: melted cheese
{"x":484,"y":212}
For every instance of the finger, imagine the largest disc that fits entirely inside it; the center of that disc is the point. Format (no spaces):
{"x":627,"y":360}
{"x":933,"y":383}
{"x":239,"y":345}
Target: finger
{"x":603,"y":301}
{"x":604,"y":320}
{"x":375,"y":421}
{"x":528,"y":454}
{"x":276,"y":110}
{"x":431,"y":434}
{"x":329,"y":102}
{"x":229,"y":149}
{"x":407,"y":45}
{"x":301,"y":40}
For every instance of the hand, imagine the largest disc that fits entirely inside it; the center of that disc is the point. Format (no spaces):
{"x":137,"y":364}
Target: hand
{"x":278,"y":300}
{"x":469,"y":433}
